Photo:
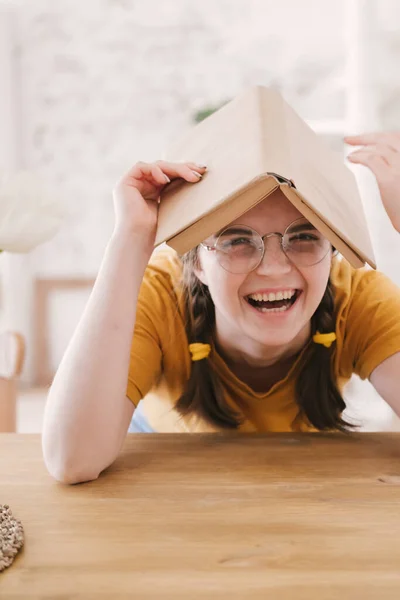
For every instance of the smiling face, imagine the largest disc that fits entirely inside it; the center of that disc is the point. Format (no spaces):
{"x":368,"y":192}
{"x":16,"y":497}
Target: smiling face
{"x":244,"y":321}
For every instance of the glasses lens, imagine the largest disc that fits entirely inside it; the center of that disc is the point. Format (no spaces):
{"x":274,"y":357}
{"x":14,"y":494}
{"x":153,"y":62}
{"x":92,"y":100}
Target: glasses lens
{"x":239,"y":249}
{"x":304,"y":245}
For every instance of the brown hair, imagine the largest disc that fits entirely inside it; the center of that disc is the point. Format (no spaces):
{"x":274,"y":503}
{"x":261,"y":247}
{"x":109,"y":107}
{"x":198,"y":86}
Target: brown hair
{"x":318,"y":397}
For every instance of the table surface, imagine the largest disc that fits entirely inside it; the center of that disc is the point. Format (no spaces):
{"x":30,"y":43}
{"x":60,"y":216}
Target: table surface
{"x":210,"y":516}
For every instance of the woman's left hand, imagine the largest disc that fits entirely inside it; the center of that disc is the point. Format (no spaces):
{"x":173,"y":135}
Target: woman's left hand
{"x":380,"y":152}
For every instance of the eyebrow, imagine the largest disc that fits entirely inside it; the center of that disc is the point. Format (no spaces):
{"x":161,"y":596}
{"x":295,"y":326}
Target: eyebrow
{"x":303,"y":227}
{"x":240,"y":231}
{"x":232,"y":231}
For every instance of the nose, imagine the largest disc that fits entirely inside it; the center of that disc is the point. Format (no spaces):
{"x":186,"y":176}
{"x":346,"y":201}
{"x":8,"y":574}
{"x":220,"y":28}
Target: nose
{"x":274,"y":260}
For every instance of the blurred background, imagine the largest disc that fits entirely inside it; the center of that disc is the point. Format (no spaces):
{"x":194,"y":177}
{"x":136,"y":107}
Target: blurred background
{"x":88,"y":88}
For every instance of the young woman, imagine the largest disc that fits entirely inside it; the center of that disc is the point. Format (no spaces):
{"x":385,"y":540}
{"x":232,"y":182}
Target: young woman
{"x":257,"y":329}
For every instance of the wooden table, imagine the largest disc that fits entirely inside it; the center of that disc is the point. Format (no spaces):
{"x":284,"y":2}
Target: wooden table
{"x":276,"y":516}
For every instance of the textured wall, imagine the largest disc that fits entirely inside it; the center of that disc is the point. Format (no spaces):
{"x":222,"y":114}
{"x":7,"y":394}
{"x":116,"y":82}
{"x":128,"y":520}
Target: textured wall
{"x":105,"y":83}
{"x":108,"y":82}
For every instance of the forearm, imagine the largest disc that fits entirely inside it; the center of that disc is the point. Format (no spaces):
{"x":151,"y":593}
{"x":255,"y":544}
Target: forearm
{"x":85,"y":416}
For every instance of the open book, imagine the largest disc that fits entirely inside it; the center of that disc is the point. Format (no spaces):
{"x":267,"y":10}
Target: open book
{"x":252,"y":146}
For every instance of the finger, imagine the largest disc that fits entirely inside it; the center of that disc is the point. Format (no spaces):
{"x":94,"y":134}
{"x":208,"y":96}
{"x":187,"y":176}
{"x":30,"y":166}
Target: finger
{"x":191,"y":174}
{"x":188,"y":171}
{"x":386,"y":152}
{"x":146,"y":172}
{"x":197,"y":167}
{"x":201,"y":168}
{"x":375,"y":162}
{"x":362,"y":139}
{"x":141,"y":170}
{"x":391,"y":139}
{"x":159,"y":176}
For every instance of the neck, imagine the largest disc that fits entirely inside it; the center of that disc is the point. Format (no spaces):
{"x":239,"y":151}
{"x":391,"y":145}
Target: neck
{"x":258,"y":356}
{"x":260,"y":367}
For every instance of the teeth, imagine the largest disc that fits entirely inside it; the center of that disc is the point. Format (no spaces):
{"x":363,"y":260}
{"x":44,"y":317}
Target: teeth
{"x":268,"y":310}
{"x":284,"y":295}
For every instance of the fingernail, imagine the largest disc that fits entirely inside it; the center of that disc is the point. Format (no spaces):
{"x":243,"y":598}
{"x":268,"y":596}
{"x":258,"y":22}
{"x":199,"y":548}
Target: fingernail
{"x":199,"y":175}
{"x":167,"y":179}
{"x":201,"y":166}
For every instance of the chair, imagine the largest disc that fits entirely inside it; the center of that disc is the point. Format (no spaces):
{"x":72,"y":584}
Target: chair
{"x":12,"y":355}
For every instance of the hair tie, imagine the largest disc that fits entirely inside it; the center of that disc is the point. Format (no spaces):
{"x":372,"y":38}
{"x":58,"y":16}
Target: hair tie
{"x":325,"y":339}
{"x":199,"y":351}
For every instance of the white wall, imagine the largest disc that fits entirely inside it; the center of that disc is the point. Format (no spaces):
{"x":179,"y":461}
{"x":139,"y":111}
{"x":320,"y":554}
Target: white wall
{"x":106,"y":83}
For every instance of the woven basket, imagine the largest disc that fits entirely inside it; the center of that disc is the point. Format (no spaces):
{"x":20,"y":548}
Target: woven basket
{"x":11,"y":536}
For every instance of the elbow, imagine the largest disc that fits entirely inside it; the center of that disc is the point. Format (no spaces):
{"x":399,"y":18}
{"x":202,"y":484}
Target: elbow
{"x":66,"y":470}
{"x":70,"y":476}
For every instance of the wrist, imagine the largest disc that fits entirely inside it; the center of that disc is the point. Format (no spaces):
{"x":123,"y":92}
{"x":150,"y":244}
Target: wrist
{"x":138,"y":236}
{"x":131,"y":241}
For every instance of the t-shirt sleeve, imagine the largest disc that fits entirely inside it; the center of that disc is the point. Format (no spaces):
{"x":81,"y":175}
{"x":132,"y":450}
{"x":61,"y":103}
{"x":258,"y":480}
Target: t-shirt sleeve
{"x":146,"y":354}
{"x":373,"y":323}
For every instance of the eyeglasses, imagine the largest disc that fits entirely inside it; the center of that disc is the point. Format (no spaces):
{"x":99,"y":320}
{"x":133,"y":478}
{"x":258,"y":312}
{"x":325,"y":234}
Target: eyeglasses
{"x":240,"y":249}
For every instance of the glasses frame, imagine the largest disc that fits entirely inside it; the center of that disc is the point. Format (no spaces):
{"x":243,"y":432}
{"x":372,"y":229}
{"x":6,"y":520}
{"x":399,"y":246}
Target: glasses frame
{"x":262,"y":238}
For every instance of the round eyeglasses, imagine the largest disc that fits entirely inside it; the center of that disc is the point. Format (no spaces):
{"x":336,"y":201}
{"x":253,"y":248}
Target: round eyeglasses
{"x":240,"y":249}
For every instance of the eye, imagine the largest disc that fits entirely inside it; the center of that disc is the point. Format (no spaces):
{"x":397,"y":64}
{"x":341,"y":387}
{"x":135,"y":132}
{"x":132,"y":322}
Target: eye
{"x":240,"y":241}
{"x":303,"y":237}
{"x":235,"y":242}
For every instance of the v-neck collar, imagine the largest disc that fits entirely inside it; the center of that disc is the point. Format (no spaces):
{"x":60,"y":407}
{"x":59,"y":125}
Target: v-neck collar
{"x":229,"y":378}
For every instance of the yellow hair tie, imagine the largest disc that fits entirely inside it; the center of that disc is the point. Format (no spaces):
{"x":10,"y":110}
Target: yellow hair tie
{"x":199,"y":351}
{"x":325,"y":339}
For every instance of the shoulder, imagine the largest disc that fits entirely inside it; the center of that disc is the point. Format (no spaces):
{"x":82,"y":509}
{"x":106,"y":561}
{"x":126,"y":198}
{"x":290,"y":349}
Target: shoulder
{"x":362,"y":287}
{"x":166,"y":266}
{"x":161,"y":291}
{"x":367,"y":312}
{"x":163,"y":274}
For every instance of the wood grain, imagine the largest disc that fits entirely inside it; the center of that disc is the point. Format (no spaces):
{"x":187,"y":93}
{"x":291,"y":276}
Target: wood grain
{"x":12,"y":356}
{"x":211,"y":516}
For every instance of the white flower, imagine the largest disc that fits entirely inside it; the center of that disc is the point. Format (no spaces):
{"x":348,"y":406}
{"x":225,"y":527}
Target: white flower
{"x":28,"y":214}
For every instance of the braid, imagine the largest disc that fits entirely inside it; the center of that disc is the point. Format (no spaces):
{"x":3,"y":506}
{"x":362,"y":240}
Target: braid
{"x":203,"y":394}
{"x":317,"y":394}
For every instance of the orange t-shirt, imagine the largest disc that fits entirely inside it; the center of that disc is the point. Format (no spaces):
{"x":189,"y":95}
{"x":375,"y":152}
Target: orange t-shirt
{"x":367,"y":305}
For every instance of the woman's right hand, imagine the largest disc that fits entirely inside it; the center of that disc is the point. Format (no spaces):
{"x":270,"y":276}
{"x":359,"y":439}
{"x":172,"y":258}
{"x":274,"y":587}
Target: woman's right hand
{"x":137,"y":194}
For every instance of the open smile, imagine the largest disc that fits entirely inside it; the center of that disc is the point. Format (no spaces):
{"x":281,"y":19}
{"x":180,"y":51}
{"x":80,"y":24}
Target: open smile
{"x":271,"y":302}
